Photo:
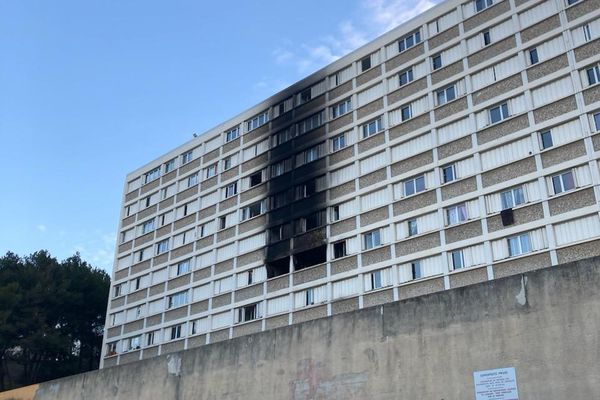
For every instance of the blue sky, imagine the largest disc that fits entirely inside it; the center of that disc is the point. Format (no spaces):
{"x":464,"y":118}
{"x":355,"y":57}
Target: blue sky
{"x":91,"y":90}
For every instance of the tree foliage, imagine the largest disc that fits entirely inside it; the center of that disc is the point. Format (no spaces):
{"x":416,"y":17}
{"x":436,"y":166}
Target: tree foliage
{"x":51,"y":317}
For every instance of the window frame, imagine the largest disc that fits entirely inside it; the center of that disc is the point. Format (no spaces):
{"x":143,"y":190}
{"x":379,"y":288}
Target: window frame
{"x":442,"y":96}
{"x":342,"y":108}
{"x":481,"y":5}
{"x":456,"y":214}
{"x":519,"y":240}
{"x":546,"y":140}
{"x":560,"y":179}
{"x":445,"y":177}
{"x":593,"y":73}
{"x":372,"y":239}
{"x":366,"y":127}
{"x":460,"y":258}
{"x":503,"y":113}
{"x":534,"y":57}
{"x":409,"y":77}
{"x":412,"y":227}
{"x":187,"y":157}
{"x":413,"y":183}
{"x":517,"y":197}
{"x":338,"y":246}
{"x":232,"y":134}
{"x":338,"y":142}
{"x":436,"y":62}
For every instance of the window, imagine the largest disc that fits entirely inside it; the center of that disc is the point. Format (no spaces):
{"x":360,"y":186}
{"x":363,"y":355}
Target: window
{"x":499,"y":113}
{"x":338,"y":142}
{"x":414,"y":185}
{"x":177,"y":299}
{"x":593,"y":75}
{"x":412,"y":227}
{"x":445,"y":95}
{"x":405,"y":113}
{"x":571,"y":2}
{"x":365,"y":63}
{"x":341,"y":108}
{"x":231,"y":190}
{"x":222,"y":222}
{"x":587,"y":33}
{"x":136,"y":284}
{"x":519,"y":245}
{"x":306,"y":189}
{"x":227,"y":163}
{"x":335,"y":213}
{"x":169,"y":166}
{"x":186,"y":157}
{"x":487,"y":39}
{"x":183,"y":267}
{"x":311,"y":155}
{"x":546,"y":139}
{"x":111,"y":349}
{"x":150,"y":338}
{"x":175,"y":332}
{"x":152,"y":175}
{"x":310,"y":123}
{"x":248,"y":313}
{"x":458,"y":261}
{"x":436,"y":61}
{"x":314,"y":220}
{"x":192,"y":180}
{"x":148,"y":226}
{"x":339,"y":249}
{"x":210,"y":171}
{"x":405,"y":77}
{"x":512,"y":198}
{"x":372,"y":239}
{"x":448,"y":173}
{"x":456,"y":214}
{"x":257,"y":121}
{"x":409,"y":41}
{"x":232,"y":134}
{"x":371,"y":127}
{"x":415,"y":268}
{"x":305,"y":96}
{"x":481,"y":5}
{"x":162,"y":246}
{"x":563,"y":182}
{"x":533,"y":56}
{"x":310,"y":296}
{"x":253,"y":210}
{"x":376,"y":280}
{"x":597,"y":121}
{"x":256,"y":179}
{"x":134,"y":343}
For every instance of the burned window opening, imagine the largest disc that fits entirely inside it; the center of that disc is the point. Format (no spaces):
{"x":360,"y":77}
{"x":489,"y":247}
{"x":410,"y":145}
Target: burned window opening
{"x":278,"y":267}
{"x":308,"y":258}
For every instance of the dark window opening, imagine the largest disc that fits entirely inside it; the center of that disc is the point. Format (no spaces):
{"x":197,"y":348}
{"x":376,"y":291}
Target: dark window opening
{"x":308,"y":258}
{"x":278,"y":267}
{"x":339,"y":249}
{"x":256,"y":179}
{"x":365,"y":63}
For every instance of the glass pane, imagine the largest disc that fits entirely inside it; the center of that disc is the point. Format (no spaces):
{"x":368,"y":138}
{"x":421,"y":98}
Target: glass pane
{"x":591,"y":76}
{"x":462,"y":212}
{"x":450,"y":93}
{"x":452,"y":215}
{"x":568,"y":181}
{"x":525,"y":244}
{"x":504,"y":110}
{"x":546,"y":139}
{"x":518,"y":195}
{"x":507,"y":200}
{"x":597,"y":121}
{"x":441,"y":98}
{"x":513,"y":246}
{"x":495,"y":115}
{"x":412,"y":227}
{"x":556,"y":184}
{"x":409,"y":188}
{"x":376,"y":279}
{"x":457,"y":260}
{"x":420,"y":184}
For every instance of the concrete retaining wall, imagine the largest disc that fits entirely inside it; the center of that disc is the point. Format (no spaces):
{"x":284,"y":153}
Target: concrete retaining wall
{"x":545,"y":324}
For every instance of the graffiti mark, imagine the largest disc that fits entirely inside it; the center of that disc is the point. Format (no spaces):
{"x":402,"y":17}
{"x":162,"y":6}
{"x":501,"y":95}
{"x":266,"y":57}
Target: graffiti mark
{"x":314,"y":382}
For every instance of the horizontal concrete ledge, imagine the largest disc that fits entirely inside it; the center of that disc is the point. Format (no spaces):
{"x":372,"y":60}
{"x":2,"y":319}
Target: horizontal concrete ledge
{"x":543,"y":323}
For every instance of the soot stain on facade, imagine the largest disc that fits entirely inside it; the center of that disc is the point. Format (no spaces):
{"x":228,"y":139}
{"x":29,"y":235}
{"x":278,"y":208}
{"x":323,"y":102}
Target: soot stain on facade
{"x":296,"y":216}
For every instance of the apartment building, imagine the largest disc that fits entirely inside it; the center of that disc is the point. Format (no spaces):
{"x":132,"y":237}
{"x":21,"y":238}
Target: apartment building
{"x":460,"y":147}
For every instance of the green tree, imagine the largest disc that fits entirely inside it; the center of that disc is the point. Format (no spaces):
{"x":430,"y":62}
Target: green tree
{"x":51,"y":317}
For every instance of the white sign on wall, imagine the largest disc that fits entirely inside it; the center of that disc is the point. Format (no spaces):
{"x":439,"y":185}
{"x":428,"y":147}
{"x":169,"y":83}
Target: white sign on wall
{"x":496,"y":384}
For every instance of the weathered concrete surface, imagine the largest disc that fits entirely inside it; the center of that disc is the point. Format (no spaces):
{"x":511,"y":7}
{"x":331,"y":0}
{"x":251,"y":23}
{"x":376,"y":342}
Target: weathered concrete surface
{"x":544,"y":323}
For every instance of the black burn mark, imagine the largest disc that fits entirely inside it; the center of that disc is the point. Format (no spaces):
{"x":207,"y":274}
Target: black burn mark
{"x":298,"y":250}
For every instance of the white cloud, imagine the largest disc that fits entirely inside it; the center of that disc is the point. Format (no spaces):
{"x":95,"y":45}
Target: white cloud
{"x":377,"y":17}
{"x":41,"y":228}
{"x":97,"y":249}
